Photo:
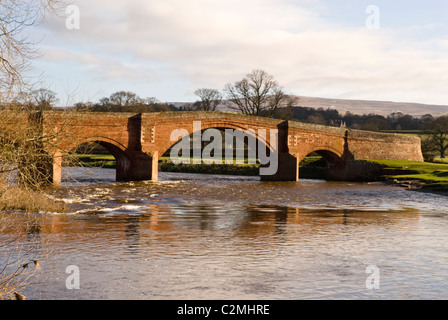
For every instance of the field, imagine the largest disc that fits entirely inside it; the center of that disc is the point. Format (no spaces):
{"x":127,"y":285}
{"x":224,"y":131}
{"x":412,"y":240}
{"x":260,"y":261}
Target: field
{"x":91,"y":160}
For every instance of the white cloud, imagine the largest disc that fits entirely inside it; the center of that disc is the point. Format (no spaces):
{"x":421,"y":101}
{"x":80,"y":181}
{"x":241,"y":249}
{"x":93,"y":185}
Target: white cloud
{"x":211,"y":42}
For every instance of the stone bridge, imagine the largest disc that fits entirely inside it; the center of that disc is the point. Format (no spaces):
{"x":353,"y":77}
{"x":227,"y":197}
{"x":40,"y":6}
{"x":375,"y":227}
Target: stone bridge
{"x":137,"y":141}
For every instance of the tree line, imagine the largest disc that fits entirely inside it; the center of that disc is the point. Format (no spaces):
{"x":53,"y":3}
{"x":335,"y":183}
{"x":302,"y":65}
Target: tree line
{"x":209,"y":99}
{"x":396,"y":121}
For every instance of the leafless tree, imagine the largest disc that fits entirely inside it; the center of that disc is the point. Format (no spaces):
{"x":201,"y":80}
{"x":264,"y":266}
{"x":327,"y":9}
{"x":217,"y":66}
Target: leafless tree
{"x":124,"y":99}
{"x":121,"y":101}
{"x":257,"y":94}
{"x":16,"y":49}
{"x":209,"y":99}
{"x":20,"y":140}
{"x":45,"y":99}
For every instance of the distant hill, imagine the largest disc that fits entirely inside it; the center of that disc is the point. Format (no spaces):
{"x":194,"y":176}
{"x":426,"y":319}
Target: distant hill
{"x":377,"y":107}
{"x":366,"y":107}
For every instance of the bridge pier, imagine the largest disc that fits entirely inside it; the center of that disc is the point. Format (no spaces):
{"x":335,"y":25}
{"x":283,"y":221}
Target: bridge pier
{"x":287,"y":170}
{"x":40,"y":169}
{"x":155,"y":166}
{"x":287,"y":164}
{"x":137,"y":167}
{"x":57,"y":169}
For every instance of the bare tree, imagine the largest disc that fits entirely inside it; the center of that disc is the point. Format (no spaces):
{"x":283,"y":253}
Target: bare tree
{"x":15,"y":48}
{"x":20,"y":142}
{"x":209,"y":99}
{"x":257,"y":94}
{"x":44,"y":99}
{"x":121,"y":101}
{"x":124,"y":99}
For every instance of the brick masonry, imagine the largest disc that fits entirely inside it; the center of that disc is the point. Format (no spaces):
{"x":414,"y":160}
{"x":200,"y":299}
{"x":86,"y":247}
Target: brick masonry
{"x":138,"y":140}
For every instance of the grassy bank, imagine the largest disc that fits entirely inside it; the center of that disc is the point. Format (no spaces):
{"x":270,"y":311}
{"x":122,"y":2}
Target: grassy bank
{"x":91,"y":160}
{"x":424,"y":175}
{"x":25,"y":200}
{"x":17,"y":198}
{"x":165,"y":165}
{"x":410,"y":174}
{"x":227,"y":169}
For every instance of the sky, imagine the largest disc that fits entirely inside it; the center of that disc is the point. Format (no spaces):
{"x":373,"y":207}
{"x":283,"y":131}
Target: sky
{"x":391,"y":50}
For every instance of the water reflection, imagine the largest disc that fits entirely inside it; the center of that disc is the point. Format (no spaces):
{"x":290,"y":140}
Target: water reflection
{"x":187,"y":237}
{"x":132,"y":234}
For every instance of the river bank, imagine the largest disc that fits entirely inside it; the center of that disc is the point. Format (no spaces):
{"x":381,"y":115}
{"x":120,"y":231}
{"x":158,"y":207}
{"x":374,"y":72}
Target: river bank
{"x":420,"y":176}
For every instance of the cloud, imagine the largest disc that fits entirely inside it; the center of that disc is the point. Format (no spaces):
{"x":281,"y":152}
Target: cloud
{"x":212,"y":42}
{"x":101,"y":67}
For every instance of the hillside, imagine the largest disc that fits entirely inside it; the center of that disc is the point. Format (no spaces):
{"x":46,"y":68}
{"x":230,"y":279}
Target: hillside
{"x":364,"y":106}
{"x":377,"y":107}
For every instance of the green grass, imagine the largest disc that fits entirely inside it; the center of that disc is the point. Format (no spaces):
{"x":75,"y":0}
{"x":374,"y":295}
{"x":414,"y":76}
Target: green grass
{"x":226,"y":169}
{"x":93,"y":160}
{"x":435,"y":175}
{"x":165,"y":159}
{"x":440,"y":160}
{"x":237,"y":168}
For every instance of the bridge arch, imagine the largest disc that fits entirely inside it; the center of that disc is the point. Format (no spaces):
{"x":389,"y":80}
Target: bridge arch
{"x":220,"y":125}
{"x":241,"y":134}
{"x":331,"y":162}
{"x":116,"y":149}
{"x":329,"y":154}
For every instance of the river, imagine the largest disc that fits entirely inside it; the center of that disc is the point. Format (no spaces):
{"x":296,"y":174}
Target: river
{"x":191,"y":236}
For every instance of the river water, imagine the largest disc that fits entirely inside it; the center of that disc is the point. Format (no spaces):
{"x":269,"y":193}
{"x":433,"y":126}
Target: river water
{"x":191,"y":236}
